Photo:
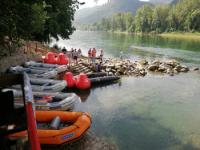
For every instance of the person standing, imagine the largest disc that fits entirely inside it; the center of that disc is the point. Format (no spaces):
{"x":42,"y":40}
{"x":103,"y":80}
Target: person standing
{"x":93,"y":55}
{"x":98,"y":67}
{"x":75,"y":54}
{"x":121,"y":55}
{"x":101,"y":55}
{"x":69,"y":55}
{"x":79,"y":53}
{"x":89,"y":55}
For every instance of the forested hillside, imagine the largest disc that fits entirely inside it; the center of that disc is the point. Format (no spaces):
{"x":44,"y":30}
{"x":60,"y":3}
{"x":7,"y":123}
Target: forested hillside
{"x":184,"y":16}
{"x":160,"y":1}
{"x":175,"y":1}
{"x":94,"y":14}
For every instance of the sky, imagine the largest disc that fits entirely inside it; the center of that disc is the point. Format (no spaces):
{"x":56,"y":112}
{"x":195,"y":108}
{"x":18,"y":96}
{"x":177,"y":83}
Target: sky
{"x":91,"y":3}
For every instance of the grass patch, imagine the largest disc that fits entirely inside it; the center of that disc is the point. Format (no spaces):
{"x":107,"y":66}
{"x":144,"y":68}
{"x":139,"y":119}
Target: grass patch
{"x":182,"y":35}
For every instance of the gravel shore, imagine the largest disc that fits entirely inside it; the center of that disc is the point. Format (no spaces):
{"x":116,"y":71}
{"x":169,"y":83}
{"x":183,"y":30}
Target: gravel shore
{"x":88,"y":142}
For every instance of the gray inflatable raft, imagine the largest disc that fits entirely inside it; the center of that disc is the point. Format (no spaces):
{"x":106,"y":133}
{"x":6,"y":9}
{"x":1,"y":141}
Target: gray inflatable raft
{"x":34,"y":72}
{"x":48,"y":101}
{"x":42,"y":66}
{"x":46,"y":85}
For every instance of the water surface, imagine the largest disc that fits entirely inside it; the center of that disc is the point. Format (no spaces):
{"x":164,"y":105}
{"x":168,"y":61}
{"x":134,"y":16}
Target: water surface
{"x":146,"y":113}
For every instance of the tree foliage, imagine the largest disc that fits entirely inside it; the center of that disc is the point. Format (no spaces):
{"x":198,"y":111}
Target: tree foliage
{"x":36,"y":19}
{"x":184,"y":16}
{"x":143,"y":19}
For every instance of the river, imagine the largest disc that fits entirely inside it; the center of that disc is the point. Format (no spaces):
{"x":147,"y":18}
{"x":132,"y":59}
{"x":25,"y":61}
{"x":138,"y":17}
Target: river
{"x":155,"y":112}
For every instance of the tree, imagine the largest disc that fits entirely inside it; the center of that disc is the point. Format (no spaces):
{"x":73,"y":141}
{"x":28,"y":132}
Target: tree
{"x":36,"y":19}
{"x":159,"y":18}
{"x":180,"y":15}
{"x":184,"y":16}
{"x":60,"y":16}
{"x":19,"y":19}
{"x":143,"y":19}
{"x":129,"y":21}
{"x":193,"y":21}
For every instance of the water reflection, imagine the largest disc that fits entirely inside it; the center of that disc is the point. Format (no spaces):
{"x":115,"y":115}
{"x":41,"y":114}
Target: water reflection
{"x":83,"y":94}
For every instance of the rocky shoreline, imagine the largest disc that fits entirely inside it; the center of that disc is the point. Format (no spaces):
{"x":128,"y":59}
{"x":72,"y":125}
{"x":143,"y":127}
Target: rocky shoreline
{"x":116,"y":66}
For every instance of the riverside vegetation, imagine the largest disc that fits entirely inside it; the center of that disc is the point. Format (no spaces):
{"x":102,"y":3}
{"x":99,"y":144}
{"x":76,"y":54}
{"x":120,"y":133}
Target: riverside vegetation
{"x":184,"y":16}
{"x":40,"y":20}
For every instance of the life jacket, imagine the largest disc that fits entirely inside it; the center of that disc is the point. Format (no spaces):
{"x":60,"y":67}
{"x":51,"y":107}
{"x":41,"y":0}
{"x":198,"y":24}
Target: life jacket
{"x":89,"y":52}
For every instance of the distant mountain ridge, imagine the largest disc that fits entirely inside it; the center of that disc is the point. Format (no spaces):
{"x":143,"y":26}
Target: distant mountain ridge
{"x":160,"y":1}
{"x":94,"y":14}
{"x":175,"y":2}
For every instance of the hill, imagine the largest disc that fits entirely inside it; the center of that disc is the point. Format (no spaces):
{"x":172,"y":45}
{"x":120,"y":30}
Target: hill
{"x":175,"y":2}
{"x":94,"y":14}
{"x":160,"y":1}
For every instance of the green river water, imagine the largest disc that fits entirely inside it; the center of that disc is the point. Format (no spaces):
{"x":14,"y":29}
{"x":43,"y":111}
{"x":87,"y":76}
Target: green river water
{"x":155,"y":112}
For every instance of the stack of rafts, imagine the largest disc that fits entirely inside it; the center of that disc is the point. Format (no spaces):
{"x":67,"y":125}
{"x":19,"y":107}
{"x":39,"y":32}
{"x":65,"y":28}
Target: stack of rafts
{"x":47,"y":92}
{"x":53,"y":127}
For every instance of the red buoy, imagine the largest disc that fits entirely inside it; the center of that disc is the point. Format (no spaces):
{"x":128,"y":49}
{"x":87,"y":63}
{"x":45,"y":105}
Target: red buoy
{"x":83,"y":82}
{"x":50,"y":58}
{"x":62,"y":60}
{"x":45,"y":60}
{"x":68,"y":77}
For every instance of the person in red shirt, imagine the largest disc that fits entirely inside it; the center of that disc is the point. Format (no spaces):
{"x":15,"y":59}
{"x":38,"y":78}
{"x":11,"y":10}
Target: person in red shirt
{"x":94,"y":55}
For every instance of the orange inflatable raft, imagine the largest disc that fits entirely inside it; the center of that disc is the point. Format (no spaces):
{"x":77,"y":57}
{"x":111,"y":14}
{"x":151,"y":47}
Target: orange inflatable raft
{"x":80,"y":122}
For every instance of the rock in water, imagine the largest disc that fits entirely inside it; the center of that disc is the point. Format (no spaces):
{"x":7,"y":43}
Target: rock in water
{"x":195,"y":69}
{"x":153,"y":67}
{"x":172,"y":63}
{"x":156,"y":62}
{"x":143,"y":62}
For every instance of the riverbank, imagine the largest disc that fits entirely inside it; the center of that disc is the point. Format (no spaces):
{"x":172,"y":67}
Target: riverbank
{"x":31,"y":50}
{"x":181,"y":35}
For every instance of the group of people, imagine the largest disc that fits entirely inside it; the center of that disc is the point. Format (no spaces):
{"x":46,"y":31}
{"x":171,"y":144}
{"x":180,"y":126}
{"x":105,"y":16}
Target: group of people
{"x":92,"y":58}
{"x":92,"y":55}
{"x":72,"y":55}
